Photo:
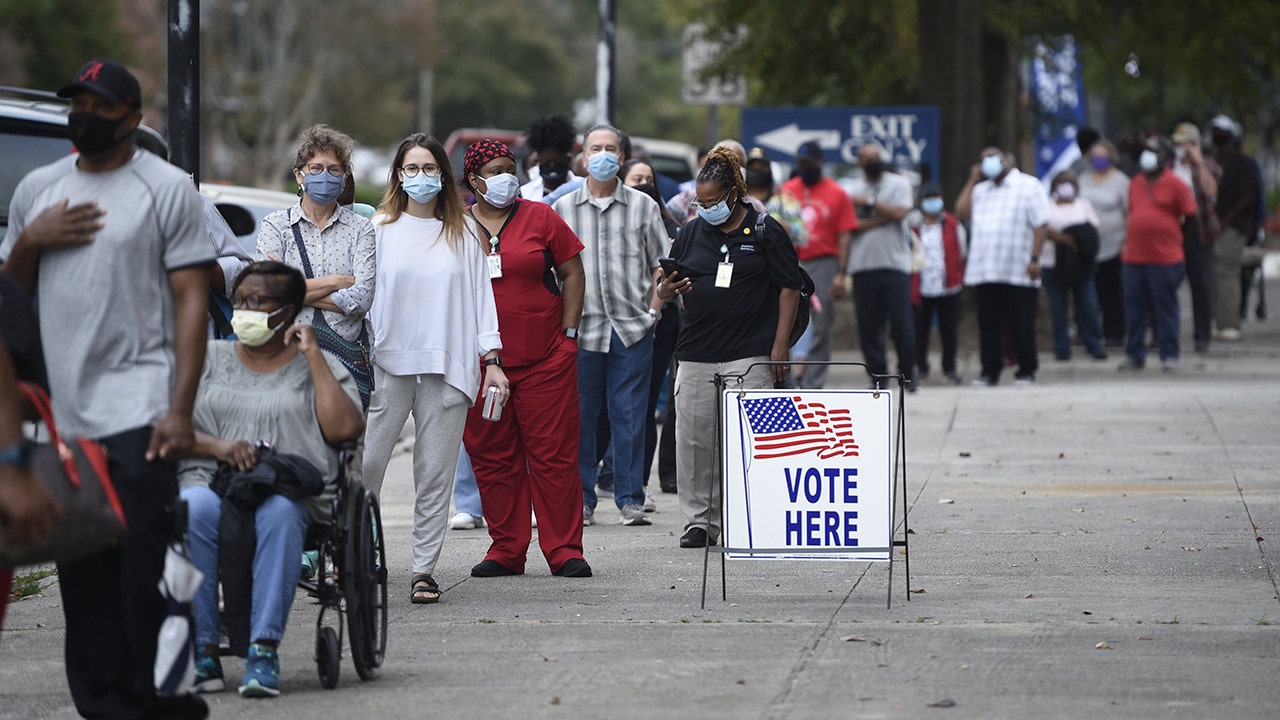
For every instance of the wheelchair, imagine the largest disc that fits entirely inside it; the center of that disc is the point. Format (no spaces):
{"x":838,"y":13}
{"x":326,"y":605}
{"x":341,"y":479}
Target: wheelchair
{"x":350,"y":581}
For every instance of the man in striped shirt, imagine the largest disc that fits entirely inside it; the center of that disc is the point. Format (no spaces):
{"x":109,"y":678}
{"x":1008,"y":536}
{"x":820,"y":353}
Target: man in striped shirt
{"x":624,"y":237}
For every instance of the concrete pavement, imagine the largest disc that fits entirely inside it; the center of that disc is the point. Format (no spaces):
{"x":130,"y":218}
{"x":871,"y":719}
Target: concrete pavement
{"x":1099,"y":544}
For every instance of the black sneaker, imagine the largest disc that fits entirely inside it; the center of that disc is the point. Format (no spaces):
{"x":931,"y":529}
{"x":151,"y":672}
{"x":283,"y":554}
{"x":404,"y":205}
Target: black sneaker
{"x":574,"y":567}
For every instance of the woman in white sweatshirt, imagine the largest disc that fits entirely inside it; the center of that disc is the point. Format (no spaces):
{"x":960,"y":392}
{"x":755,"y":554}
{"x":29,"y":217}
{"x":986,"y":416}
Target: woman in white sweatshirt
{"x":434,"y":320}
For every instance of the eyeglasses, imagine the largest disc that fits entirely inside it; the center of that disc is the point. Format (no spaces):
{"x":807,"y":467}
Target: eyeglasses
{"x":317,"y":168}
{"x":705,"y":206}
{"x":431,"y":170}
{"x":252,"y":302}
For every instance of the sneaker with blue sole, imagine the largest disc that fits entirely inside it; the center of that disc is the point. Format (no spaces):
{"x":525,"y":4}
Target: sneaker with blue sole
{"x":209,"y":677}
{"x":261,"y":673}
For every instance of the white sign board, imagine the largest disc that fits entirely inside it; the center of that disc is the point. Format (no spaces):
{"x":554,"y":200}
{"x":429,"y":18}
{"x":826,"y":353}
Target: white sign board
{"x":700,"y":51}
{"x":808,"y":475}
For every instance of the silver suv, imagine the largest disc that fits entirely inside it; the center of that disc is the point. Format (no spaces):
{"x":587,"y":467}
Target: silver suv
{"x":33,"y":132}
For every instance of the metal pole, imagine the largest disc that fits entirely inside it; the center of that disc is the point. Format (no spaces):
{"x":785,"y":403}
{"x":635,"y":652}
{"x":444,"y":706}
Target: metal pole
{"x":606,"y":62}
{"x":184,"y":85}
{"x":713,"y":125}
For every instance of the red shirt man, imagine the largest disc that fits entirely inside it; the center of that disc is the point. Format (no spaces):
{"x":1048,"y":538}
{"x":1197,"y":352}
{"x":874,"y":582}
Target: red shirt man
{"x":1156,"y":208}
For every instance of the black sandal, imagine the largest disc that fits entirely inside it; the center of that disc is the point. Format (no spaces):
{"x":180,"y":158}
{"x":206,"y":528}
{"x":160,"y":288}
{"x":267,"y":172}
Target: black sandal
{"x":423,"y":589}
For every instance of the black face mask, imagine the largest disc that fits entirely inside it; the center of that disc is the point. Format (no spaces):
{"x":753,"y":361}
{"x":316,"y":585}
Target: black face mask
{"x":92,"y":133}
{"x":759,"y":179}
{"x":553,"y":175}
{"x":1221,"y":139}
{"x":810,"y":176}
{"x":873,"y":169}
{"x":649,"y":190}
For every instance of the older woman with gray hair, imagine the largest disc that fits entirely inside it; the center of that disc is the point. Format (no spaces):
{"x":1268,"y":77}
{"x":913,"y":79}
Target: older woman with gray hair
{"x":334,"y":248}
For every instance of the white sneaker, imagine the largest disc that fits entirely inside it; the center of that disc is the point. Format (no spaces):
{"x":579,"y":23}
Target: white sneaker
{"x":588,"y":516}
{"x":1228,"y":335}
{"x":465,"y":521}
{"x":649,"y":504}
{"x":633,"y":515}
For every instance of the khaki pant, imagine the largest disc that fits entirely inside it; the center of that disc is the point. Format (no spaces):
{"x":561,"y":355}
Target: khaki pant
{"x":697,"y":454}
{"x":1228,"y":252}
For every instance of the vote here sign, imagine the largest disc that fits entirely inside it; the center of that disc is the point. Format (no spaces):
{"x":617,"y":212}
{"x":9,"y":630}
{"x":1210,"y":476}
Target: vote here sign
{"x":808,"y":475}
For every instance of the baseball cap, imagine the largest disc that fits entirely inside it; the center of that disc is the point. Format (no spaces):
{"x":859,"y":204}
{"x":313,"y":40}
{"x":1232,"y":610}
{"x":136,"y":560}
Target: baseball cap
{"x":108,"y":79}
{"x":809,"y":151}
{"x":757,"y":153}
{"x":1222,"y":122}
{"x":930,"y":189}
{"x":1185,"y":132}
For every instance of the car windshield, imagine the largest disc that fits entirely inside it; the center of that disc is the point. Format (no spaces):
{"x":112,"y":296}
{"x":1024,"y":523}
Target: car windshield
{"x":24,"y":150}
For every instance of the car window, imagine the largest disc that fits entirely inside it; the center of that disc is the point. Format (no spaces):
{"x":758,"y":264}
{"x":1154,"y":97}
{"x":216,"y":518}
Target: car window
{"x":24,"y":148}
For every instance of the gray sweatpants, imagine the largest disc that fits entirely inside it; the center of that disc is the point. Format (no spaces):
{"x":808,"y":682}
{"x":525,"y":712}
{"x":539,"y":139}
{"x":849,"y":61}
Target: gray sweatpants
{"x":439,"y":415}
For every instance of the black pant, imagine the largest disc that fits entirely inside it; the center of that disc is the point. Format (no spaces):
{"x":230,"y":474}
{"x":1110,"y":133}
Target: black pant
{"x":112,"y":607}
{"x":1200,"y":280}
{"x":947,"y":310}
{"x":1111,"y":301}
{"x":880,"y":297}
{"x":664,"y":346}
{"x":1011,"y":307}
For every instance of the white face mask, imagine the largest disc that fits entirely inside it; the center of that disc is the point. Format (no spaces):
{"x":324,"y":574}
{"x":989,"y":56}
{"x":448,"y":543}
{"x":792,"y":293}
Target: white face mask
{"x":1065,"y":191}
{"x":1148,"y":161}
{"x":252,"y":327}
{"x":503,"y":190}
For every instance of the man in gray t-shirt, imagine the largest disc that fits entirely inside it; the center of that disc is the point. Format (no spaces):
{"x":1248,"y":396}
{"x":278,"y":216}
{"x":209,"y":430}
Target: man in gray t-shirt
{"x":878,"y":258}
{"x":112,"y":244}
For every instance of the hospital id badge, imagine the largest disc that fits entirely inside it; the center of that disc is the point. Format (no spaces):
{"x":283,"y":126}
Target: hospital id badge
{"x":724,"y":275}
{"x":495,"y":266}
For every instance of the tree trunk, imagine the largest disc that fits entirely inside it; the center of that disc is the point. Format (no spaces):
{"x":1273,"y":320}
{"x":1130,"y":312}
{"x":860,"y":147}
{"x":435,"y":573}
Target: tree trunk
{"x":952,"y":76}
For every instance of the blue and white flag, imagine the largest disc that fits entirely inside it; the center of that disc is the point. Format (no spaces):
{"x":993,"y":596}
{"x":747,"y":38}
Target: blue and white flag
{"x":1058,"y":102}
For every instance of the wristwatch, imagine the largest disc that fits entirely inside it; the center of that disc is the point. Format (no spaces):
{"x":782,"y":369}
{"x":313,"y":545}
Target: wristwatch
{"x":571,"y":333}
{"x":17,"y":454}
{"x":655,"y":314}
{"x":493,"y":361}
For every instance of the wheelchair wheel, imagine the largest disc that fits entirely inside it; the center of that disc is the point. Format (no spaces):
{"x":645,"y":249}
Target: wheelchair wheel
{"x":328,"y":650}
{"x":365,"y":582}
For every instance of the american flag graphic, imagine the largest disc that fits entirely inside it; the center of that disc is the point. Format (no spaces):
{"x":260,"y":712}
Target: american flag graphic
{"x":785,"y":426}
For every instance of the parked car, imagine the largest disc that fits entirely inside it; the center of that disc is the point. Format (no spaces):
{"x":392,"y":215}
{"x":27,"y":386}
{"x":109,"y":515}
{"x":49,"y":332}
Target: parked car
{"x":245,"y":207}
{"x":33,"y":133}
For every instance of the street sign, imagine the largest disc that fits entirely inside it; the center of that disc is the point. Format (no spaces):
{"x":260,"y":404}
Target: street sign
{"x":700,"y":52}
{"x":908,"y":132}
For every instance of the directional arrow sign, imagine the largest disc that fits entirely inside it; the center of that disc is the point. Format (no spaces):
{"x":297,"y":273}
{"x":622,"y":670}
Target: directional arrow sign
{"x":790,"y":137}
{"x":909,"y":133}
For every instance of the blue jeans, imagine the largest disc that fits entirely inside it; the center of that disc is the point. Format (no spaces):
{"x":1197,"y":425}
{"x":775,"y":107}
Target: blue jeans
{"x":1085,"y":295}
{"x":621,"y":378}
{"x":1152,"y":288}
{"x":281,"y":527}
{"x":466,"y":496}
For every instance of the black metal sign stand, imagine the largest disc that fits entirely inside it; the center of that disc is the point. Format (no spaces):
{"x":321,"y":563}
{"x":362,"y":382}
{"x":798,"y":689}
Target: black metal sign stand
{"x":899,"y":481}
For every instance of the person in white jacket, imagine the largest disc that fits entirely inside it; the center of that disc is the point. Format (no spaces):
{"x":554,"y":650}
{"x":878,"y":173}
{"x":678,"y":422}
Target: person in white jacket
{"x":434,"y":320}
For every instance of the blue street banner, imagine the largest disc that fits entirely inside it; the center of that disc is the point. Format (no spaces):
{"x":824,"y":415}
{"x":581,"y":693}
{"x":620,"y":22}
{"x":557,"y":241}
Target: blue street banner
{"x":908,"y":132}
{"x":1058,"y":103}
{"x":808,"y":475}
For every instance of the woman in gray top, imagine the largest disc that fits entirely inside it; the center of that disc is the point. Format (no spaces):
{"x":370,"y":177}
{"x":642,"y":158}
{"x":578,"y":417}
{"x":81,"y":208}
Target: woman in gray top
{"x":274,"y":384}
{"x":1107,"y":189}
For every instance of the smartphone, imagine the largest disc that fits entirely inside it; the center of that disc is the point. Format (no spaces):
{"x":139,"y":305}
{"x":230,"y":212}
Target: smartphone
{"x":492,"y":410}
{"x":669,"y":265}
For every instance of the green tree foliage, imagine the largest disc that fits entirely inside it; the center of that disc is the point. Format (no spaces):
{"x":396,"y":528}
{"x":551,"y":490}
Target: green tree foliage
{"x":53,"y":38}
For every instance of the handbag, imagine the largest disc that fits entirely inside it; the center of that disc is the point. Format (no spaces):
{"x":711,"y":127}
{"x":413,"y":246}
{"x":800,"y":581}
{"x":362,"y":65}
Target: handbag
{"x":354,"y":356}
{"x":75,"y":472}
{"x":919,"y":259}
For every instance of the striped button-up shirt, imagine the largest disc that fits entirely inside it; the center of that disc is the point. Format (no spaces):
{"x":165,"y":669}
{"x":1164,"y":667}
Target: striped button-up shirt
{"x":344,"y":246}
{"x":624,"y":237}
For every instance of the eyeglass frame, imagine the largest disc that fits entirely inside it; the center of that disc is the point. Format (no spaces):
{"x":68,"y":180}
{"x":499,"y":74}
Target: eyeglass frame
{"x":405,"y":172}
{"x":695,"y":203}
{"x":308,"y":169}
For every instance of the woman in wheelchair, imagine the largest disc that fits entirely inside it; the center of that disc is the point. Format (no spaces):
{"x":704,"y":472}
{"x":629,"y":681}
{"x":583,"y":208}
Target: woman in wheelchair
{"x":274,"y":384}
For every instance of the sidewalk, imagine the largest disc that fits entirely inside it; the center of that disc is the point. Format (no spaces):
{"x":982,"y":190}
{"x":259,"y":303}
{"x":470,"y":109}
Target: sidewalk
{"x":1098,"y":545}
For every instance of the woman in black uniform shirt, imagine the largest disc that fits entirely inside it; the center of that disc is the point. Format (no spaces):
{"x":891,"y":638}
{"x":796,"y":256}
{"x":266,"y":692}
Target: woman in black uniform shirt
{"x":739,"y":287}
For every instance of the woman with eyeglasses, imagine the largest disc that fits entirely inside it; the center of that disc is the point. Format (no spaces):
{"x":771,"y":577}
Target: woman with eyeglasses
{"x":739,"y":280}
{"x":434,"y":328}
{"x":529,"y":455}
{"x":334,"y":248}
{"x":273,"y":384}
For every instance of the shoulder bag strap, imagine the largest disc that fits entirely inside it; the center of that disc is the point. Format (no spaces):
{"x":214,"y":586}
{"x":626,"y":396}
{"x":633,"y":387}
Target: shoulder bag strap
{"x":302,"y":251}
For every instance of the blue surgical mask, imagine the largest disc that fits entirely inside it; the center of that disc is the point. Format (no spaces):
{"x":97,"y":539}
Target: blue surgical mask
{"x":422,"y":187}
{"x":716,"y":214}
{"x":603,"y":166}
{"x":992,"y":166}
{"x":323,"y":188}
{"x":931,"y":205}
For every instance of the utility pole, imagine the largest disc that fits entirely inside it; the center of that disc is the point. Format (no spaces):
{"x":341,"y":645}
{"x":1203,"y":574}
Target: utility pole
{"x":184,"y":85}
{"x":606,"y":61}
